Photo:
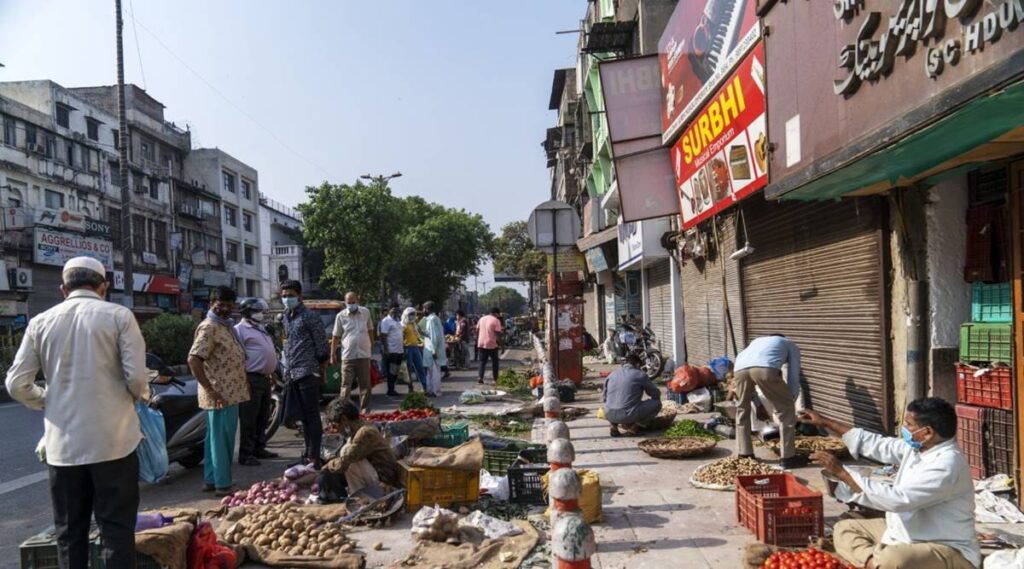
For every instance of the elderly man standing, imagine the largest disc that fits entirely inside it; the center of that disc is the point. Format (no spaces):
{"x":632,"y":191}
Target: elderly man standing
{"x":260,"y":365}
{"x":434,"y":355}
{"x":217,"y":360}
{"x":92,"y":354}
{"x":352,"y":329}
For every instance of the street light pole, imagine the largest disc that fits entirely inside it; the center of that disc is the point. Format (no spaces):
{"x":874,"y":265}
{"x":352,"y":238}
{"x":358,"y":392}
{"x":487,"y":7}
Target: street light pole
{"x":381,"y":178}
{"x":126,"y":214}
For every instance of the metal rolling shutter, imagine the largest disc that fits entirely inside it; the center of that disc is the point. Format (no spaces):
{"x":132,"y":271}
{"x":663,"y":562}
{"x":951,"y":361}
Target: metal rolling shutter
{"x":46,"y":281}
{"x":660,"y":294}
{"x":707,"y":333}
{"x":817,"y":276}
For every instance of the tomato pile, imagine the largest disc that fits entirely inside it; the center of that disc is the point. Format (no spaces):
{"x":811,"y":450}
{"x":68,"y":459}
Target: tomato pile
{"x":399,"y":415}
{"x":808,"y":559}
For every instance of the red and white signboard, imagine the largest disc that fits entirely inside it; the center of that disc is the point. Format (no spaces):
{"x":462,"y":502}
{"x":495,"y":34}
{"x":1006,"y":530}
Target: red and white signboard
{"x":702,"y":43}
{"x":722,"y":157}
{"x":153,"y":284}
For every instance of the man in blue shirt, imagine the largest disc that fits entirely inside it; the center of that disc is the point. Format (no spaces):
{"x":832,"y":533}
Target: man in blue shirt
{"x":306,"y":355}
{"x":760,"y":366}
{"x":624,"y":405}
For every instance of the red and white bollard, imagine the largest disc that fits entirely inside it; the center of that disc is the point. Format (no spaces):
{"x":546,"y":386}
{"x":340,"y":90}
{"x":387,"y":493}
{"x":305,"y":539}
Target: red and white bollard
{"x":572,"y":542}
{"x":552,"y":408}
{"x":561,"y":454}
{"x":556,"y":430}
{"x":564,"y":489}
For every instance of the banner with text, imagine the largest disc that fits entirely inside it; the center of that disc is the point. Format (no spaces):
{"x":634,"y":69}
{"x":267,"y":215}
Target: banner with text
{"x":56,"y":248}
{"x":723,"y":156}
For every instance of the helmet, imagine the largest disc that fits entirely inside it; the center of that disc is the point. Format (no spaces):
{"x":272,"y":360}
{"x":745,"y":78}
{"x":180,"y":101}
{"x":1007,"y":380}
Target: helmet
{"x":250,"y":305}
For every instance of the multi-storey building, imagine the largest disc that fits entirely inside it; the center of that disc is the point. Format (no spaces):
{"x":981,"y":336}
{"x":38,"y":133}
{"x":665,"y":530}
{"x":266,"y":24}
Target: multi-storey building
{"x":281,"y":233}
{"x":237,"y":185}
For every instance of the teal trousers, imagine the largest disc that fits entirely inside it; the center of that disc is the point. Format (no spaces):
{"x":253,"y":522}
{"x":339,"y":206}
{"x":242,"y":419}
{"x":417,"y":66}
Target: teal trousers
{"x":221,"y":425}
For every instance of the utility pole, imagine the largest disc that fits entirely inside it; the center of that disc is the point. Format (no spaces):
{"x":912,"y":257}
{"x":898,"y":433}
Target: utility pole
{"x":126,"y":192}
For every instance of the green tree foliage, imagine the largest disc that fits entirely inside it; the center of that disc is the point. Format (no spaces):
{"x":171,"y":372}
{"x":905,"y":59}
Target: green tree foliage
{"x":508,"y":300}
{"x":170,"y":337}
{"x":516,"y":255}
{"x":378,"y":244}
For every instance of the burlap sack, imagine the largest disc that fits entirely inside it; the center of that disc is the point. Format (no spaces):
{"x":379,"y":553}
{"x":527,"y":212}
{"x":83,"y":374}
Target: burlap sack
{"x":467,"y":456}
{"x":485,"y":554}
{"x":168,"y":546}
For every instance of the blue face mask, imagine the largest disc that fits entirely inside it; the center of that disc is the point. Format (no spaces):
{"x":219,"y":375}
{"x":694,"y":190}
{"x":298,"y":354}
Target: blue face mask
{"x":908,"y":438}
{"x":290,"y":302}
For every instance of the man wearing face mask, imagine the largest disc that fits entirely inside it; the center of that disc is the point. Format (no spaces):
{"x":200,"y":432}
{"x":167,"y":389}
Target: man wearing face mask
{"x":260,"y":363}
{"x":352,"y":331}
{"x":929,"y":520}
{"x":391,"y":344}
{"x":305,"y":354}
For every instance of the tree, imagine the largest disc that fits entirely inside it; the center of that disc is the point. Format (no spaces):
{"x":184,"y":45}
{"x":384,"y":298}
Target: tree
{"x":354,"y":227}
{"x":508,"y":300}
{"x":169,"y":336}
{"x":516,"y":255}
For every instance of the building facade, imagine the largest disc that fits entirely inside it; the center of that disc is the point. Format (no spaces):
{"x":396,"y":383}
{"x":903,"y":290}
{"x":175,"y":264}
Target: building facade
{"x":281,"y":228}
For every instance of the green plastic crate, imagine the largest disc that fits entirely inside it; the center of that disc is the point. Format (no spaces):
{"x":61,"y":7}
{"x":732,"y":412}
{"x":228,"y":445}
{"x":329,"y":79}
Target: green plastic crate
{"x":991,"y":302}
{"x":40,"y":550}
{"x":497,"y":461}
{"x":450,"y":437}
{"x":986,"y":343}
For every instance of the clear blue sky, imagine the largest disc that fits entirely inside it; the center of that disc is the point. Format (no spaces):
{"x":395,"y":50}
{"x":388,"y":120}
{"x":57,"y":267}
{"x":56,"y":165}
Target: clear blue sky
{"x":452,"y":93}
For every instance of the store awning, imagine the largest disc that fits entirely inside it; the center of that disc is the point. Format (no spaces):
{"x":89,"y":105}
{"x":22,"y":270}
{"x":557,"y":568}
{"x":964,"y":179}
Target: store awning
{"x":596,"y":239}
{"x":985,"y":129}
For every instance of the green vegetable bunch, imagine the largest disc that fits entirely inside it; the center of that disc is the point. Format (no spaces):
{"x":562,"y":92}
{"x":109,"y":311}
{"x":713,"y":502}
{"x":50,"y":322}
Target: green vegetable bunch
{"x":415,"y":400}
{"x":689,"y":428}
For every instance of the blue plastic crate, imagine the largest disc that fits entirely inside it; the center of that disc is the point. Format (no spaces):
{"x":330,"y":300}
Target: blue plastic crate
{"x":991,"y":302}
{"x":678,"y":398}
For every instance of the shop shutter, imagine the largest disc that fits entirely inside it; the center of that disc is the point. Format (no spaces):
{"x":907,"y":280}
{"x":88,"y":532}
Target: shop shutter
{"x":816,"y":276}
{"x":707,"y":333}
{"x":46,"y":281}
{"x":659,"y":293}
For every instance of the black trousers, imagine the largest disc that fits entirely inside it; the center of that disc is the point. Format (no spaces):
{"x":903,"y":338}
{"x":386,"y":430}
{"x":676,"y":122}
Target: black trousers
{"x":110,"y":490}
{"x":391,"y":365}
{"x":312,"y":425}
{"x":253,"y":416}
{"x":491,"y":354}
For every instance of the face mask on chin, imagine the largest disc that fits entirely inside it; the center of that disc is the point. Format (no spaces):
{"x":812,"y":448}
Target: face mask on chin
{"x":256,"y":317}
{"x":353,"y":308}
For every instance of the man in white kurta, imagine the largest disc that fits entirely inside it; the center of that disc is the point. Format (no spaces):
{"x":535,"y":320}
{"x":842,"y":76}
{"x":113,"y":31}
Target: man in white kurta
{"x":929,"y":521}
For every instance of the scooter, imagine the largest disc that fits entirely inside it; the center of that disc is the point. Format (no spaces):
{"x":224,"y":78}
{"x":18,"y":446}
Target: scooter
{"x":641,"y":341}
{"x":184,"y":421}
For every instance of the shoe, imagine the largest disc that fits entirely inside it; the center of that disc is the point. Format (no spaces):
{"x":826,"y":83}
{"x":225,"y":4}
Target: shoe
{"x":446,"y":375}
{"x":615,"y":431}
{"x":630,"y":430}
{"x":480,"y":381}
{"x":208,"y":488}
{"x":793,"y":462}
{"x":266,"y":454}
{"x":248,"y":461}
{"x":393,"y":394}
{"x":222,"y":492}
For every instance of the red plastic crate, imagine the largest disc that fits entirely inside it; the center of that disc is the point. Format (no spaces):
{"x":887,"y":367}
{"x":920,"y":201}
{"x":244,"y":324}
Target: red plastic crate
{"x":991,"y":388}
{"x":779,"y":510}
{"x":970,"y":436}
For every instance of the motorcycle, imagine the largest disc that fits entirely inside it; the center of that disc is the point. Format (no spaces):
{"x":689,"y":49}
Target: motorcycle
{"x":639,"y":340}
{"x":185,"y":423}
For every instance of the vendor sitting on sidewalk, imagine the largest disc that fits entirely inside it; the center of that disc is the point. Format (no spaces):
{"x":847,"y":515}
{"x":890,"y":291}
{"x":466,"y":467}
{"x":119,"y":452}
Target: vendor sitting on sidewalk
{"x":623,"y":391}
{"x":929,"y":520}
{"x":366,"y":460}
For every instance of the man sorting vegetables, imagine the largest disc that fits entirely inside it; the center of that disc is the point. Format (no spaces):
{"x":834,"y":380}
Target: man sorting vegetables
{"x":366,"y":460}
{"x":929,"y":520}
{"x":624,"y":406}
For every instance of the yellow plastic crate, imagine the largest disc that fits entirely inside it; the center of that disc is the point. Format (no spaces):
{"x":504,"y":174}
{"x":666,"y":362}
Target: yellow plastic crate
{"x":441,"y":486}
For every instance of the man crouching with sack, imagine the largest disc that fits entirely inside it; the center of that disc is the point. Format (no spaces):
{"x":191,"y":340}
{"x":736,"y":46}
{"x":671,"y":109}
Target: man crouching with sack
{"x":364,"y":462}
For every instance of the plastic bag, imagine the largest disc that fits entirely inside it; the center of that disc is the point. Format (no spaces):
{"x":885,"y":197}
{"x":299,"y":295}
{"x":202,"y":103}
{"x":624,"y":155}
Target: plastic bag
{"x":688,"y":378}
{"x":152,"y":450}
{"x":375,"y":375}
{"x":1008,"y":559}
{"x":491,"y":526}
{"x":435,"y":524}
{"x":700,"y":397}
{"x":590,"y":495}
{"x":472,"y":397}
{"x":720,"y":367}
{"x":997,"y":483}
{"x":205,"y":553}
{"x":991,"y":509}
{"x":494,"y":486}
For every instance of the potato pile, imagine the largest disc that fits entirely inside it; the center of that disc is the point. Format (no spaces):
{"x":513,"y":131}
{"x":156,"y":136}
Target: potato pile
{"x":724,"y":472}
{"x":286,"y":529}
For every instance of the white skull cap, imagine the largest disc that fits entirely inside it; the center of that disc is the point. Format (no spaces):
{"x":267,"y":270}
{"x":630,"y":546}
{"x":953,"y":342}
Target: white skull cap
{"x":85,"y":263}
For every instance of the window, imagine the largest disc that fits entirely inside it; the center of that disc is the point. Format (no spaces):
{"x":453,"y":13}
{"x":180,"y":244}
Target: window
{"x":154,"y":189}
{"x":87,"y":158}
{"x":138,"y":233}
{"x":117,"y":138}
{"x":148,"y":151}
{"x":252,"y":288}
{"x":30,"y":135}
{"x":92,"y":129}
{"x":231,"y":216}
{"x":70,"y":153}
{"x":63,"y":115}
{"x":232,"y":252}
{"x":51,"y":146}
{"x":250,"y":256}
{"x":115,"y":174}
{"x":246,"y":190}
{"x":114,"y":219}
{"x":139,"y":184}
{"x":93,"y":160}
{"x":246,"y":220}
{"x":158,"y":238}
{"x":10,"y":132}
{"x":54,"y":200}
{"x":229,"y":182}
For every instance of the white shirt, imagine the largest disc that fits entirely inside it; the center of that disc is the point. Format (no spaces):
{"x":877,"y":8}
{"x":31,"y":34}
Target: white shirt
{"x":391,"y":329}
{"x":94,"y":360}
{"x":354,"y":331}
{"x":932,"y":498}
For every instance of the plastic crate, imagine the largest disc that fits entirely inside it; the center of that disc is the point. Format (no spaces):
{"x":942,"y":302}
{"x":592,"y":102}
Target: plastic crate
{"x":441,"y":486}
{"x":991,"y":302}
{"x":535,"y":455}
{"x":450,"y":437}
{"x":40,"y":550}
{"x":677,"y":398}
{"x":991,"y":387}
{"x":1000,"y":442}
{"x":970,"y":435}
{"x":497,"y":461}
{"x":526,"y":485}
{"x":779,"y":510}
{"x":986,"y":343}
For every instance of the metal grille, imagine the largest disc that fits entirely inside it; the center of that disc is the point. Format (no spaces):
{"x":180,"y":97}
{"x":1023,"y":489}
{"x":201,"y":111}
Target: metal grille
{"x":660,"y":294}
{"x":816,"y":276}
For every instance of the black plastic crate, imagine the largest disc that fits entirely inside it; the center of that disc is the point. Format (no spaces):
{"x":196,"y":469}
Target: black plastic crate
{"x":525,"y":484}
{"x":535,"y":455}
{"x":1000,"y":441}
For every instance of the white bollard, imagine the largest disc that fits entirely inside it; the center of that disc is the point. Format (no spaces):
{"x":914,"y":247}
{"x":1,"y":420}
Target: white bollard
{"x":561,"y":454}
{"x":572,"y":542}
{"x":564,"y":489}
{"x":552,"y":408}
{"x":556,"y":430}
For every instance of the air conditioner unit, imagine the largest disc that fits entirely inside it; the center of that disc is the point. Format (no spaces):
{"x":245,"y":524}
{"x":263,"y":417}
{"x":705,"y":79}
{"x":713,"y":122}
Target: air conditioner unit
{"x":21,"y":278}
{"x":140,"y":189}
{"x":37,"y":148}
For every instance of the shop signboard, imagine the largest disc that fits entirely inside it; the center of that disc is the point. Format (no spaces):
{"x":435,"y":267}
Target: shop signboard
{"x":5,"y":285}
{"x":60,"y":218}
{"x":722,"y":156}
{"x":15,"y":218}
{"x":641,"y":240}
{"x":149,"y":258}
{"x":568,"y":262}
{"x":51,"y":247}
{"x":596,"y":261}
{"x":97,"y":228}
{"x":185,"y":274}
{"x":869,"y":72}
{"x":152,"y":284}
{"x":702,"y":43}
{"x":631,"y":242}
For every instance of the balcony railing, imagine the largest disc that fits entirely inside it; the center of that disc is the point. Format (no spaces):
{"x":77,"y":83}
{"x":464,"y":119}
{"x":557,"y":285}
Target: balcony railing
{"x":287,"y":251}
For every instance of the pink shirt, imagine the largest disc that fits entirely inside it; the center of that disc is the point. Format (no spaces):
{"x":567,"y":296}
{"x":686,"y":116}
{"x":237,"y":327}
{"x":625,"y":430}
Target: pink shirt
{"x":487,"y":332}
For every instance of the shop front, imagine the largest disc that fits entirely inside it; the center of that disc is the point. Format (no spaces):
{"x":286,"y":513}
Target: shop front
{"x":644,"y":266}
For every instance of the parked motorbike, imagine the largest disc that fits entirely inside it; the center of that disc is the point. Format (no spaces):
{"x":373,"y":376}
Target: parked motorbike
{"x":639,"y":340}
{"x":178,"y":400}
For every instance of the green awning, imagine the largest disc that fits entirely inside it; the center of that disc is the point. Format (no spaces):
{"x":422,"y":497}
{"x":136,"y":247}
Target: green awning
{"x":973,"y":125}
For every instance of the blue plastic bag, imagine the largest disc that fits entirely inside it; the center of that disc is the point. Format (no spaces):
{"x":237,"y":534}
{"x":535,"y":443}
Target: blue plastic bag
{"x":720,"y":367}
{"x":152,"y":451}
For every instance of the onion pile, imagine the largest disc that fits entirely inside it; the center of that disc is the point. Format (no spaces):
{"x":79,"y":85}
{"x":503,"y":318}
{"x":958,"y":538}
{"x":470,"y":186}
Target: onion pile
{"x":263,"y":493}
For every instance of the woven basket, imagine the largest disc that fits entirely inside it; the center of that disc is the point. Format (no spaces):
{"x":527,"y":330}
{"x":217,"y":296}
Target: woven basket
{"x":663,"y":421}
{"x":803,"y":446}
{"x":683,"y":447}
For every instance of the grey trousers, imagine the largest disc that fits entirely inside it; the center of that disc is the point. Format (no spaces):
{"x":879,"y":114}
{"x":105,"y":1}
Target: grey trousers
{"x":774,"y":388}
{"x":641,"y":414}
